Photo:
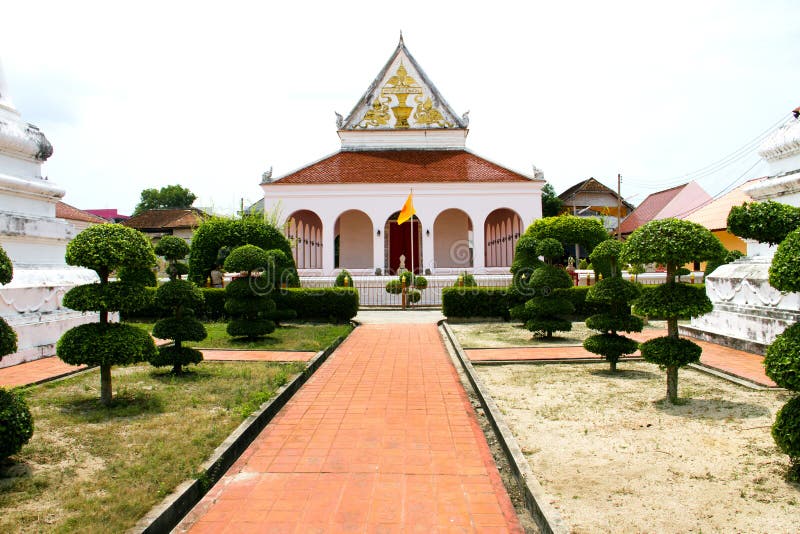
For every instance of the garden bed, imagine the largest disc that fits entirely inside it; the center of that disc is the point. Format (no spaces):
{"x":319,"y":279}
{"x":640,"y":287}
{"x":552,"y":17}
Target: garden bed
{"x":487,"y":335}
{"x":93,"y":468}
{"x":309,"y":337}
{"x":614,"y":457}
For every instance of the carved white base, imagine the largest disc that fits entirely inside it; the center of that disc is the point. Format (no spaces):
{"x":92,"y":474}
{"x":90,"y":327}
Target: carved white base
{"x":746,"y":307}
{"x":37,"y":334}
{"x":31,"y":304}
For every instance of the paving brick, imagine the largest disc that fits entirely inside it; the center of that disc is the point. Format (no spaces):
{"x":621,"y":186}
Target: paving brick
{"x":381,"y":439}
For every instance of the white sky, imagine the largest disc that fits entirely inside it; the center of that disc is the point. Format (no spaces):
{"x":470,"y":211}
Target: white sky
{"x":209,"y":95}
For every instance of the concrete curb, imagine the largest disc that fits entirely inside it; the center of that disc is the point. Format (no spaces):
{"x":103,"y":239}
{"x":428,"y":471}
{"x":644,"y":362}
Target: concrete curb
{"x":547,"y":518}
{"x":167,"y":515}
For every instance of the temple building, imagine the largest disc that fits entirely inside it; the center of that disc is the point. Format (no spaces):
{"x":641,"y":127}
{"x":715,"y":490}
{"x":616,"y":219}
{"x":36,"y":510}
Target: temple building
{"x":401,"y":139}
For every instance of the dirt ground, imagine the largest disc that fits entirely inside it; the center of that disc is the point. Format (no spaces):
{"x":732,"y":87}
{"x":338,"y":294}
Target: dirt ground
{"x":614,"y":457}
{"x":499,"y":335}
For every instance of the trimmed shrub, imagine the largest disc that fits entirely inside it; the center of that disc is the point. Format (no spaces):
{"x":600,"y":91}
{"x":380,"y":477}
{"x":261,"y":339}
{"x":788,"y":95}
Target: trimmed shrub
{"x":16,"y":423}
{"x":569,"y":230}
{"x":551,"y":249}
{"x":782,"y":361}
{"x":216,"y":235}
{"x":786,"y":433}
{"x":611,"y":346}
{"x":106,"y":248}
{"x":544,"y":313}
{"x":414,"y":296}
{"x":784,"y":273}
{"x":478,"y":302}
{"x":332,"y":304}
{"x":526,"y":258}
{"x":339,"y":282}
{"x":394,"y":287}
{"x":672,"y":243}
{"x":8,"y":338}
{"x":173,"y":249}
{"x":142,"y":276}
{"x":6,"y":267}
{"x":249,"y":299}
{"x":182,"y":298}
{"x":105,"y":344}
{"x":214,"y":305}
{"x":576,"y":295}
{"x":767,"y":222}
{"x":465,"y":280}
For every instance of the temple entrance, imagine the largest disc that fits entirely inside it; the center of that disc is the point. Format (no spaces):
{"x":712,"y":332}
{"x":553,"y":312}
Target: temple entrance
{"x":397,"y":242}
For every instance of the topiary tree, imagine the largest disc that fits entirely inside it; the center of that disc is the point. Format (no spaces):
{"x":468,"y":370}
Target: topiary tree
{"x":105,"y":248}
{"x":767,"y":222}
{"x":544,"y":312}
{"x":215,"y":235}
{"x":569,"y":230}
{"x":617,"y":294}
{"x":183,"y":298}
{"x":248,"y":301}
{"x":782,"y":361}
{"x":16,"y":423}
{"x":8,"y":338}
{"x":672,"y":243}
{"x":173,"y":249}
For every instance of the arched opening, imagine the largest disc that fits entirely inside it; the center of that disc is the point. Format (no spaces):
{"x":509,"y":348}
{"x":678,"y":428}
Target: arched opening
{"x":452,"y":240}
{"x":303,"y":228}
{"x":502,"y":230}
{"x":397,"y":242}
{"x":353,"y":232}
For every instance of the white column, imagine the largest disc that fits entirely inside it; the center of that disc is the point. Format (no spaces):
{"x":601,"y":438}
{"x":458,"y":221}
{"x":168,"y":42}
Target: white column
{"x":327,"y":247}
{"x":377,"y":248}
{"x":479,"y":245}
{"x":427,"y":247}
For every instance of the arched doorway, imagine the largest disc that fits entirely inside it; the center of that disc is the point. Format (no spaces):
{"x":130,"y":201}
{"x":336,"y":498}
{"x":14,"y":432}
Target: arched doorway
{"x":353,"y":232}
{"x":452,"y":240}
{"x":304,"y":230}
{"x":397,"y":241}
{"x":501,"y":230}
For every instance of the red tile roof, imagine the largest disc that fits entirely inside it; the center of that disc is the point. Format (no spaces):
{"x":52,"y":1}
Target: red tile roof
{"x":65,"y":211}
{"x":401,"y":166}
{"x":649,"y":209}
{"x":166,"y":219}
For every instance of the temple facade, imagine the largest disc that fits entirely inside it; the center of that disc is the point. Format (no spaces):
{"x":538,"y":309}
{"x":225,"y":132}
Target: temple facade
{"x":401,"y":139}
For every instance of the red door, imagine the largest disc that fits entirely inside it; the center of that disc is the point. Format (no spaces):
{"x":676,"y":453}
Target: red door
{"x":400,"y":244}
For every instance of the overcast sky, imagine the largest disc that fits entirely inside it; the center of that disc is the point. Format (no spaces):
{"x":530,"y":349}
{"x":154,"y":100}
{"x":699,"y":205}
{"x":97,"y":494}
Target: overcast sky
{"x":209,"y":95}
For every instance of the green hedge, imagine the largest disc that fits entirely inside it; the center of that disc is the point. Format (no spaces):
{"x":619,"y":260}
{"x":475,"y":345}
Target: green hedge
{"x":577,"y":296}
{"x":335,"y":304}
{"x":16,"y":423}
{"x":479,"y":301}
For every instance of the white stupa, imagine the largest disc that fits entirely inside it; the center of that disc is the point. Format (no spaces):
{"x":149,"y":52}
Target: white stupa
{"x":34,"y":239}
{"x":748,"y":312}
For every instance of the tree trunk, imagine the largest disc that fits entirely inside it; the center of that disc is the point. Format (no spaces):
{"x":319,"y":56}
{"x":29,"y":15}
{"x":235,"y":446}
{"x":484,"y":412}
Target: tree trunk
{"x":672,"y":384}
{"x":105,"y":384}
{"x":176,"y":367}
{"x":613,"y":363}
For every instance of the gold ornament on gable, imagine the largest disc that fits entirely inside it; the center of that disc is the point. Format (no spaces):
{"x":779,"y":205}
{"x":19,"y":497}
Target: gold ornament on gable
{"x":399,"y":87}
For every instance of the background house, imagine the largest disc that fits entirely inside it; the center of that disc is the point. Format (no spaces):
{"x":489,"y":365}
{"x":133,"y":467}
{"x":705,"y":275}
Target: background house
{"x":180,"y":222}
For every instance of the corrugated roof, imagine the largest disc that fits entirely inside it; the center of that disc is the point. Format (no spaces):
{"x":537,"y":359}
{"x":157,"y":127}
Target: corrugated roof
{"x":71,"y":213}
{"x":649,"y":208}
{"x":402,"y":166}
{"x":714,"y":215}
{"x":591,"y":185}
{"x":169,"y":218}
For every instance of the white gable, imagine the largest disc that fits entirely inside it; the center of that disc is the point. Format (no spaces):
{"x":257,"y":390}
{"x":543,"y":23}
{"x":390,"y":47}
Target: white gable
{"x":402,"y":98}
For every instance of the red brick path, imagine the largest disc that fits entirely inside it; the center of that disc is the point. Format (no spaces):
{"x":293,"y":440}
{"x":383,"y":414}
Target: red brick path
{"x":731,"y":361}
{"x":35,"y":371}
{"x":381,"y":439}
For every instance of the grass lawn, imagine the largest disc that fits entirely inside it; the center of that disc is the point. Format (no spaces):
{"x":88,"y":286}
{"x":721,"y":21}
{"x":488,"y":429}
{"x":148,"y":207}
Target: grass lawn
{"x":89,"y":468}
{"x":291,"y":336}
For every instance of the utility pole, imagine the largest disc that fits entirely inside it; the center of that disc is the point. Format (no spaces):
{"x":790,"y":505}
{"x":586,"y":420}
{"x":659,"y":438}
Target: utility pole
{"x":619,"y":205}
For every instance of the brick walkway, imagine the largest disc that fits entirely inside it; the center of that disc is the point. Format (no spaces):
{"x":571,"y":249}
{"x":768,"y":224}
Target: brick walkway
{"x":35,"y":371}
{"x":381,"y":438}
{"x":257,"y":355}
{"x":731,"y":361}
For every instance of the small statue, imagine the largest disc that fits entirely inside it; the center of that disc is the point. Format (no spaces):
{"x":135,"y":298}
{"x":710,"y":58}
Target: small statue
{"x":339,"y":121}
{"x":538,"y":174}
{"x":402,"y":266}
{"x":465,"y":118}
{"x":266,"y":176}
